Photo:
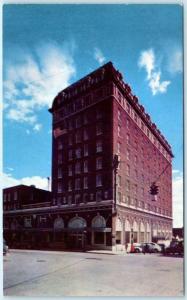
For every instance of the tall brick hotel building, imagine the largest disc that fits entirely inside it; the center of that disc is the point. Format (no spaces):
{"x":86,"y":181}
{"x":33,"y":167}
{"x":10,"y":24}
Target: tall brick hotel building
{"x":96,"y":203}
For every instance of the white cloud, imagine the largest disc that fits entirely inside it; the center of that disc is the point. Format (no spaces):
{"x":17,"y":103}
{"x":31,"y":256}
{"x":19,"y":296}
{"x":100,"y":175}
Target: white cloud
{"x":37,"y":127}
{"x":175,"y":171}
{"x":32,"y":83}
{"x":8,"y":180}
{"x":10,"y":169}
{"x":99,"y":57}
{"x":147,"y":61}
{"x":175,"y":62}
{"x":177,"y":199}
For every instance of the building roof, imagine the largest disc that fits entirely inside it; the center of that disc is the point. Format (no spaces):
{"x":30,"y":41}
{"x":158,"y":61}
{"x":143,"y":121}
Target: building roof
{"x":94,"y":78}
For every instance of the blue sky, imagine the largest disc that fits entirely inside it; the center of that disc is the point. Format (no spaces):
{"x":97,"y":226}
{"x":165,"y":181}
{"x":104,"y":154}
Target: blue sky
{"x":48,"y":47}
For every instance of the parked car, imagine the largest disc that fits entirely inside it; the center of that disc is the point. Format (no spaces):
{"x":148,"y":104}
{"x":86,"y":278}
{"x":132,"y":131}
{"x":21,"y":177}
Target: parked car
{"x":5,"y":247}
{"x":176,"y":247}
{"x":136,"y":248}
{"x":163,"y":244}
{"x":150,"y":247}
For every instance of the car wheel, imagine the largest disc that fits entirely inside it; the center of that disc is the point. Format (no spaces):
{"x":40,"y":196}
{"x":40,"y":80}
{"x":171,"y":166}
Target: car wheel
{"x":137,"y":251}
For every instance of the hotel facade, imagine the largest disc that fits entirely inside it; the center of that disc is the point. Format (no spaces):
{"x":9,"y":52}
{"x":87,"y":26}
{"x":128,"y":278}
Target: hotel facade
{"x":96,"y":203}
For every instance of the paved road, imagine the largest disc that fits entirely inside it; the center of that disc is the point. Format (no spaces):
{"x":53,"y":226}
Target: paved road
{"x":39,"y":273}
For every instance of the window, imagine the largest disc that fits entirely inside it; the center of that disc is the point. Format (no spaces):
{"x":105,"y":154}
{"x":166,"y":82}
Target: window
{"x":85,"y":182}
{"x":86,"y":150}
{"x":85,"y":135}
{"x":70,"y":185}
{"x":135,"y":159}
{"x":128,"y":123}
{"x":99,"y":163}
{"x":78,"y":153}
{"x":128,"y":108}
{"x":135,"y":189}
{"x":85,"y":166}
{"x":142,"y":189}
{"x":77,"y":184}
{"x":119,"y":130}
{"x":70,"y":173}
{"x":42,"y":220}
{"x":135,"y":117}
{"x":128,"y":154}
{"x":119,"y":114}
{"x":142,"y":125}
{"x":59,"y":187}
{"x":142,"y":178}
{"x":78,"y":122}
{"x":77,"y":198}
{"x":27,"y":222}
{"x":99,"y":146}
{"x":59,"y":158}
{"x":127,"y":185}
{"x":118,"y":148}
{"x":85,"y":119}
{"x":98,"y":180}
{"x":70,"y":124}
{"x":78,"y":137}
{"x":136,"y":145}
{"x":77,"y":168}
{"x":135,"y":202}
{"x":4,"y":197}
{"x":106,"y":194}
{"x":59,"y":173}
{"x":69,"y":199}
{"x":60,"y":145}
{"x":128,"y":200}
{"x":119,"y":181}
{"x":119,"y":196}
{"x":70,"y":154}
{"x":70,"y":140}
{"x":15,"y":195}
{"x":99,"y":129}
{"x":85,"y":197}
{"x":128,"y":170}
{"x":128,"y":139}
{"x":98,"y":195}
{"x":136,"y":174}
{"x":98,"y":114}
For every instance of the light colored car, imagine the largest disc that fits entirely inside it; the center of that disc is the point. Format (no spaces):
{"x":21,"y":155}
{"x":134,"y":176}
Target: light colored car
{"x":135,"y":249}
{"x":151,"y":247}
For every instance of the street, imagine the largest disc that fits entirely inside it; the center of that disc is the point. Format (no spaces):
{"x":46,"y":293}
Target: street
{"x":47,"y":273}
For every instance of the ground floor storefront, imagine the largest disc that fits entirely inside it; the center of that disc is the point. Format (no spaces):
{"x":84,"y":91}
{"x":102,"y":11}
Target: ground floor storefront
{"x":83,"y":229}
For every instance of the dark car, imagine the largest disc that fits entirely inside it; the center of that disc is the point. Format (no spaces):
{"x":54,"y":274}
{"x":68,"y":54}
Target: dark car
{"x":5,"y":247}
{"x":176,"y":247}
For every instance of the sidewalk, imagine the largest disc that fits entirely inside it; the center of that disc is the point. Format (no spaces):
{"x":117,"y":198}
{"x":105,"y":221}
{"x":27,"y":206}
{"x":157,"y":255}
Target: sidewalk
{"x":109,"y":252}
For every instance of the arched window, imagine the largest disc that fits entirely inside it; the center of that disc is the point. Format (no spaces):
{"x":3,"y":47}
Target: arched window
{"x":77,"y":222}
{"x":58,"y":223}
{"x":98,"y":222}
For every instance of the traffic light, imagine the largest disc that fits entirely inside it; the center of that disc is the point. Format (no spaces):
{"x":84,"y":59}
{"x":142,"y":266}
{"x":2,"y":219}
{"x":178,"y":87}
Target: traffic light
{"x":153,"y":189}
